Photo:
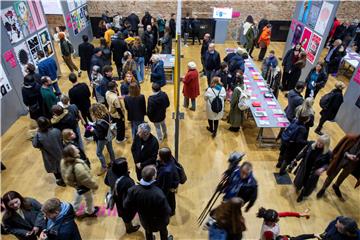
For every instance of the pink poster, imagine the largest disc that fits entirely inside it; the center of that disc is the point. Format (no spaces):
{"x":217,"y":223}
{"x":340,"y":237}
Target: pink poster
{"x":68,"y":21}
{"x":294,"y":22}
{"x":10,"y":58}
{"x":357,"y":76}
{"x":305,"y":38}
{"x":37,"y":13}
{"x":313,"y":47}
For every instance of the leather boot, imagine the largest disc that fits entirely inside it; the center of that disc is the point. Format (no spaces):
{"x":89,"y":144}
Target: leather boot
{"x":130,"y":228}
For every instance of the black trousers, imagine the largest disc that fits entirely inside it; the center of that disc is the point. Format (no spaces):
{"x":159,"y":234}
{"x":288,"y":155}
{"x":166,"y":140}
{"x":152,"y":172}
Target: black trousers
{"x":163,"y":234}
{"x":170,"y":196}
{"x":85,"y":113}
{"x":58,"y":176}
{"x":120,"y":128}
{"x":197,"y":35}
{"x":119,"y":66}
{"x":321,"y":123}
{"x":284,"y":81}
{"x":262,"y":53}
{"x":213,"y":124}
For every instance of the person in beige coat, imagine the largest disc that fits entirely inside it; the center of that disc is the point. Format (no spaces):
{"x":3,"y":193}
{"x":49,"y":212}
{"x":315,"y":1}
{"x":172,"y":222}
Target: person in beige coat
{"x":76,"y":174}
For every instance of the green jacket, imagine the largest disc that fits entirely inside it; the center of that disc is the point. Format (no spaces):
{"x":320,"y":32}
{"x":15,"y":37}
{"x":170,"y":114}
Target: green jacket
{"x":161,"y":24}
{"x":48,"y":97}
{"x":66,"y":48}
{"x":236,"y":116}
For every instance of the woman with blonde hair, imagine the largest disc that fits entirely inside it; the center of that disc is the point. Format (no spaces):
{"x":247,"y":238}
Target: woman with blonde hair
{"x":125,"y":84}
{"x":101,"y":116}
{"x":129,"y":64}
{"x":315,"y":158}
{"x":214,"y":96}
{"x":306,"y":110}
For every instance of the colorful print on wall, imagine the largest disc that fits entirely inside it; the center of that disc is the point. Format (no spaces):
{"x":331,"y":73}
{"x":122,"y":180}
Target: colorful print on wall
{"x":11,"y":24}
{"x":357,"y":76}
{"x":44,"y":37}
{"x":37,"y":13}
{"x":299,"y":27}
{"x":324,"y":16}
{"x":80,"y":19}
{"x":313,"y":14}
{"x":304,"y":11}
{"x":73,"y":4}
{"x":10,"y":58}
{"x":5,"y":86}
{"x":22,"y":54}
{"x":25,"y":19}
{"x":34,"y":46}
{"x":313,"y":48}
{"x":46,"y":43}
{"x":74,"y":20}
{"x":305,"y":38}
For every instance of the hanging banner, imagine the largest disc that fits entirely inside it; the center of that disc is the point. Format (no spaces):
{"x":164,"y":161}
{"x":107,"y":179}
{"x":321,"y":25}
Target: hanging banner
{"x":11,"y":24}
{"x":5,"y":86}
{"x":313,"y":48}
{"x":324,"y":16}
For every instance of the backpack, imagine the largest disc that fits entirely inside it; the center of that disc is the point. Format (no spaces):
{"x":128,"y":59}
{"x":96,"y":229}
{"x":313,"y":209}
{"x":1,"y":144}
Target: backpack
{"x":256,"y":31}
{"x":109,"y":197}
{"x":244,"y":99}
{"x":325,"y":100}
{"x":71,"y":48}
{"x":111,"y":133}
{"x":291,"y":131}
{"x":216,"y":103}
{"x":181,"y":172}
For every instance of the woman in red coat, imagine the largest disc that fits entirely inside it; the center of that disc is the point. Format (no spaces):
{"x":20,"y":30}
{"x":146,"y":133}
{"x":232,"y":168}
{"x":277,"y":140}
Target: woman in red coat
{"x":191,"y":87}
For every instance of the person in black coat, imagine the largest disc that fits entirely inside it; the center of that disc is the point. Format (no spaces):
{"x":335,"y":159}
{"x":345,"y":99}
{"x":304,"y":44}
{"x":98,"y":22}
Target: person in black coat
{"x":144,"y":148}
{"x":23,"y":217}
{"x":315,"y":157}
{"x":85,"y":51}
{"x":155,"y":32}
{"x":30,"y":70}
{"x":156,"y":110}
{"x":32,"y":97}
{"x":204,"y":47}
{"x":224,"y":74}
{"x":146,"y":20}
{"x":342,"y":228}
{"x":290,"y":58}
{"x":134,"y":21}
{"x":118,"y":47}
{"x":172,"y":25}
{"x":334,"y":56}
{"x":80,"y":95}
{"x":97,"y":59}
{"x":118,"y":176}
{"x":168,"y":178}
{"x":59,"y":223}
{"x":148,"y":40}
{"x":212,"y":62}
{"x":296,"y":69}
{"x":195,"y":27}
{"x":295,"y":99}
{"x":150,"y":202}
{"x":328,"y":112}
{"x":166,"y":42}
{"x":315,"y":80}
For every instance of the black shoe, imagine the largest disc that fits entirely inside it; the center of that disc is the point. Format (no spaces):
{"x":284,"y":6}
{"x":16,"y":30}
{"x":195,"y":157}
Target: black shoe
{"x":337,"y":191}
{"x":320,"y":194}
{"x":130,"y":228}
{"x":209,"y":129}
{"x":300,"y":198}
{"x":94,"y":213}
{"x":318,"y":132}
{"x":214,"y":134}
{"x":170,"y":237}
{"x":278,"y":165}
{"x":192,"y":109}
{"x":60,"y":183}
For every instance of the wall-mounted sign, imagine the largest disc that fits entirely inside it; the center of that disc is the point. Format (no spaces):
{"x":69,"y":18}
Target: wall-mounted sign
{"x":222,"y":13}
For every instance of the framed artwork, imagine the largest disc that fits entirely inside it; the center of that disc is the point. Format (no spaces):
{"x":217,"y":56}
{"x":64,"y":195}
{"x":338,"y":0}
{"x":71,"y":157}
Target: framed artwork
{"x":299,"y":28}
{"x":313,"y":48}
{"x":11,"y":24}
{"x":74,"y":20}
{"x":23,"y":56}
{"x":305,"y":38}
{"x":48,"y":50}
{"x":5,"y":86}
{"x":25,"y":19}
{"x":37,"y":14}
{"x":34,"y":46}
{"x":324,"y":16}
{"x":44,"y":37}
{"x":304,"y":11}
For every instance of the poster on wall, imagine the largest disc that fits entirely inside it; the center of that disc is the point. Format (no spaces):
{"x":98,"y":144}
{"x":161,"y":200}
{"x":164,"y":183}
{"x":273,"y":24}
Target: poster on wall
{"x":74,"y":20}
{"x":34,"y":46}
{"x":86,"y":13}
{"x":37,"y":13}
{"x":22,"y":54}
{"x":313,"y":48}
{"x":73,"y":4}
{"x":304,"y":11}
{"x":11,"y":24}
{"x":299,"y":27}
{"x":25,"y":19}
{"x":324,"y":16}
{"x":357,"y":76}
{"x":313,"y":14}
{"x":10,"y":58}
{"x":45,"y":41}
{"x":305,"y":38}
{"x":5,"y":86}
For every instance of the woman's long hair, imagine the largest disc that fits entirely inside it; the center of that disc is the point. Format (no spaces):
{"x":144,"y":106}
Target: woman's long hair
{"x":7,"y":197}
{"x":98,"y":111}
{"x":325,"y":140}
{"x":306,"y":108}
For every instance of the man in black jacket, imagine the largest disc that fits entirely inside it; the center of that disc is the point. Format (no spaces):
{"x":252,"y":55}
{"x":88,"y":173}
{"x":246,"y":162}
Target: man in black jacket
{"x":80,"y":95}
{"x":334,"y":56}
{"x":96,"y":59}
{"x":144,"y":148}
{"x":295,"y":99}
{"x":148,"y":40}
{"x":195,"y":27}
{"x":134,"y":21}
{"x":146,"y":20}
{"x":118,"y":47}
{"x":172,"y":25}
{"x":212,"y":62}
{"x":156,"y":110}
{"x":86,"y":50}
{"x":204,"y":48}
{"x":151,"y":204}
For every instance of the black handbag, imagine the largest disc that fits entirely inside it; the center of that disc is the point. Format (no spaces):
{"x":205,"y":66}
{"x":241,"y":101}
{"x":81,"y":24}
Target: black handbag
{"x":80,"y":189}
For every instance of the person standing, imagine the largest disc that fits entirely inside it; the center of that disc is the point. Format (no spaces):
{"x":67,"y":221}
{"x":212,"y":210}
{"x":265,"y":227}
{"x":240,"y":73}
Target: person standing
{"x":264,"y":41}
{"x":268,"y":66}
{"x":47,"y":67}
{"x":168,"y":177}
{"x":155,"y":31}
{"x":106,"y":52}
{"x":157,"y":71}
{"x":212,"y":62}
{"x":129,"y":65}
{"x":315,"y":80}
{"x":346,"y":159}
{"x":334,"y":56}
{"x":48,"y":140}
{"x":108,"y":34}
{"x":151,"y":204}
{"x":250,"y":36}
{"x":166,"y":42}
{"x":306,"y":110}
{"x":59,"y":222}
{"x":195,"y":27}
{"x":85,"y":52}
{"x":315,"y":158}
{"x":48,"y":96}
{"x":102,"y":119}
{"x":158,"y":102}
{"x":32,"y":97}
{"x":138,"y":51}
{"x":172,"y":25}
{"x":161,"y":23}
{"x":80,"y":95}
{"x":67,"y":50}
{"x":291,"y":57}
{"x":215,"y":92}
{"x":118,"y":47}
{"x":146,"y":20}
{"x":134,"y":21}
{"x":246,"y":26}
{"x":331,"y":107}
{"x":262,"y":23}
{"x":144,"y":148}
{"x":295,"y":99}
{"x":204,"y":49}
{"x":136,"y":107}
{"x":186,"y":28}
{"x":77,"y":174}
{"x":236,"y":116}
{"x":148,"y":40}
{"x":125,"y":85}
{"x":116,"y":111}
{"x":330,"y":36}
{"x":191,"y":87}
{"x":296,"y":70}
{"x":30,"y":70}
{"x":97,"y":59}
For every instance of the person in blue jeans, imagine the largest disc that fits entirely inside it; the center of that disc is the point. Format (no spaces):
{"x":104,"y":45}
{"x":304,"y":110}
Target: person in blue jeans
{"x":138,"y":52}
{"x":48,"y":67}
{"x":100,"y":129}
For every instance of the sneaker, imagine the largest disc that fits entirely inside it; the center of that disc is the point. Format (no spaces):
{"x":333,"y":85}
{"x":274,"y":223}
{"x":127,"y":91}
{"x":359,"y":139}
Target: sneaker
{"x":337,"y":191}
{"x":101,"y":171}
{"x":300,"y":198}
{"x":318,"y":132}
{"x":89,"y":139}
{"x":192,"y":109}
{"x":170,"y":237}
{"x":122,"y":141}
{"x":208,"y":128}
{"x":79,"y":73}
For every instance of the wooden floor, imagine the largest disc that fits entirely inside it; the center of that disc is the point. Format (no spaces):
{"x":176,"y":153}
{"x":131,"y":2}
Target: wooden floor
{"x":204,"y":159}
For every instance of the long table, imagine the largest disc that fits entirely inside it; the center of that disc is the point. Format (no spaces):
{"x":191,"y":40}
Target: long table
{"x":270,"y":113}
{"x":169,"y":63}
{"x":352,"y":58}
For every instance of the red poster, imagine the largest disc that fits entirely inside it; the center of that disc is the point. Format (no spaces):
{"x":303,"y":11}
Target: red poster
{"x":357,"y":76}
{"x":313,"y":48}
{"x":305,"y":38}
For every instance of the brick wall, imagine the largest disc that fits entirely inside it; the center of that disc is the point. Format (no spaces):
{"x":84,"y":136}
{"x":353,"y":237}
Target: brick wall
{"x":273,"y":9}
{"x":54,"y":20}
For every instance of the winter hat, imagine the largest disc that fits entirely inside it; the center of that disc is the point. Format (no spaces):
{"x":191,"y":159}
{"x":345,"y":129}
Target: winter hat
{"x":192,"y":65}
